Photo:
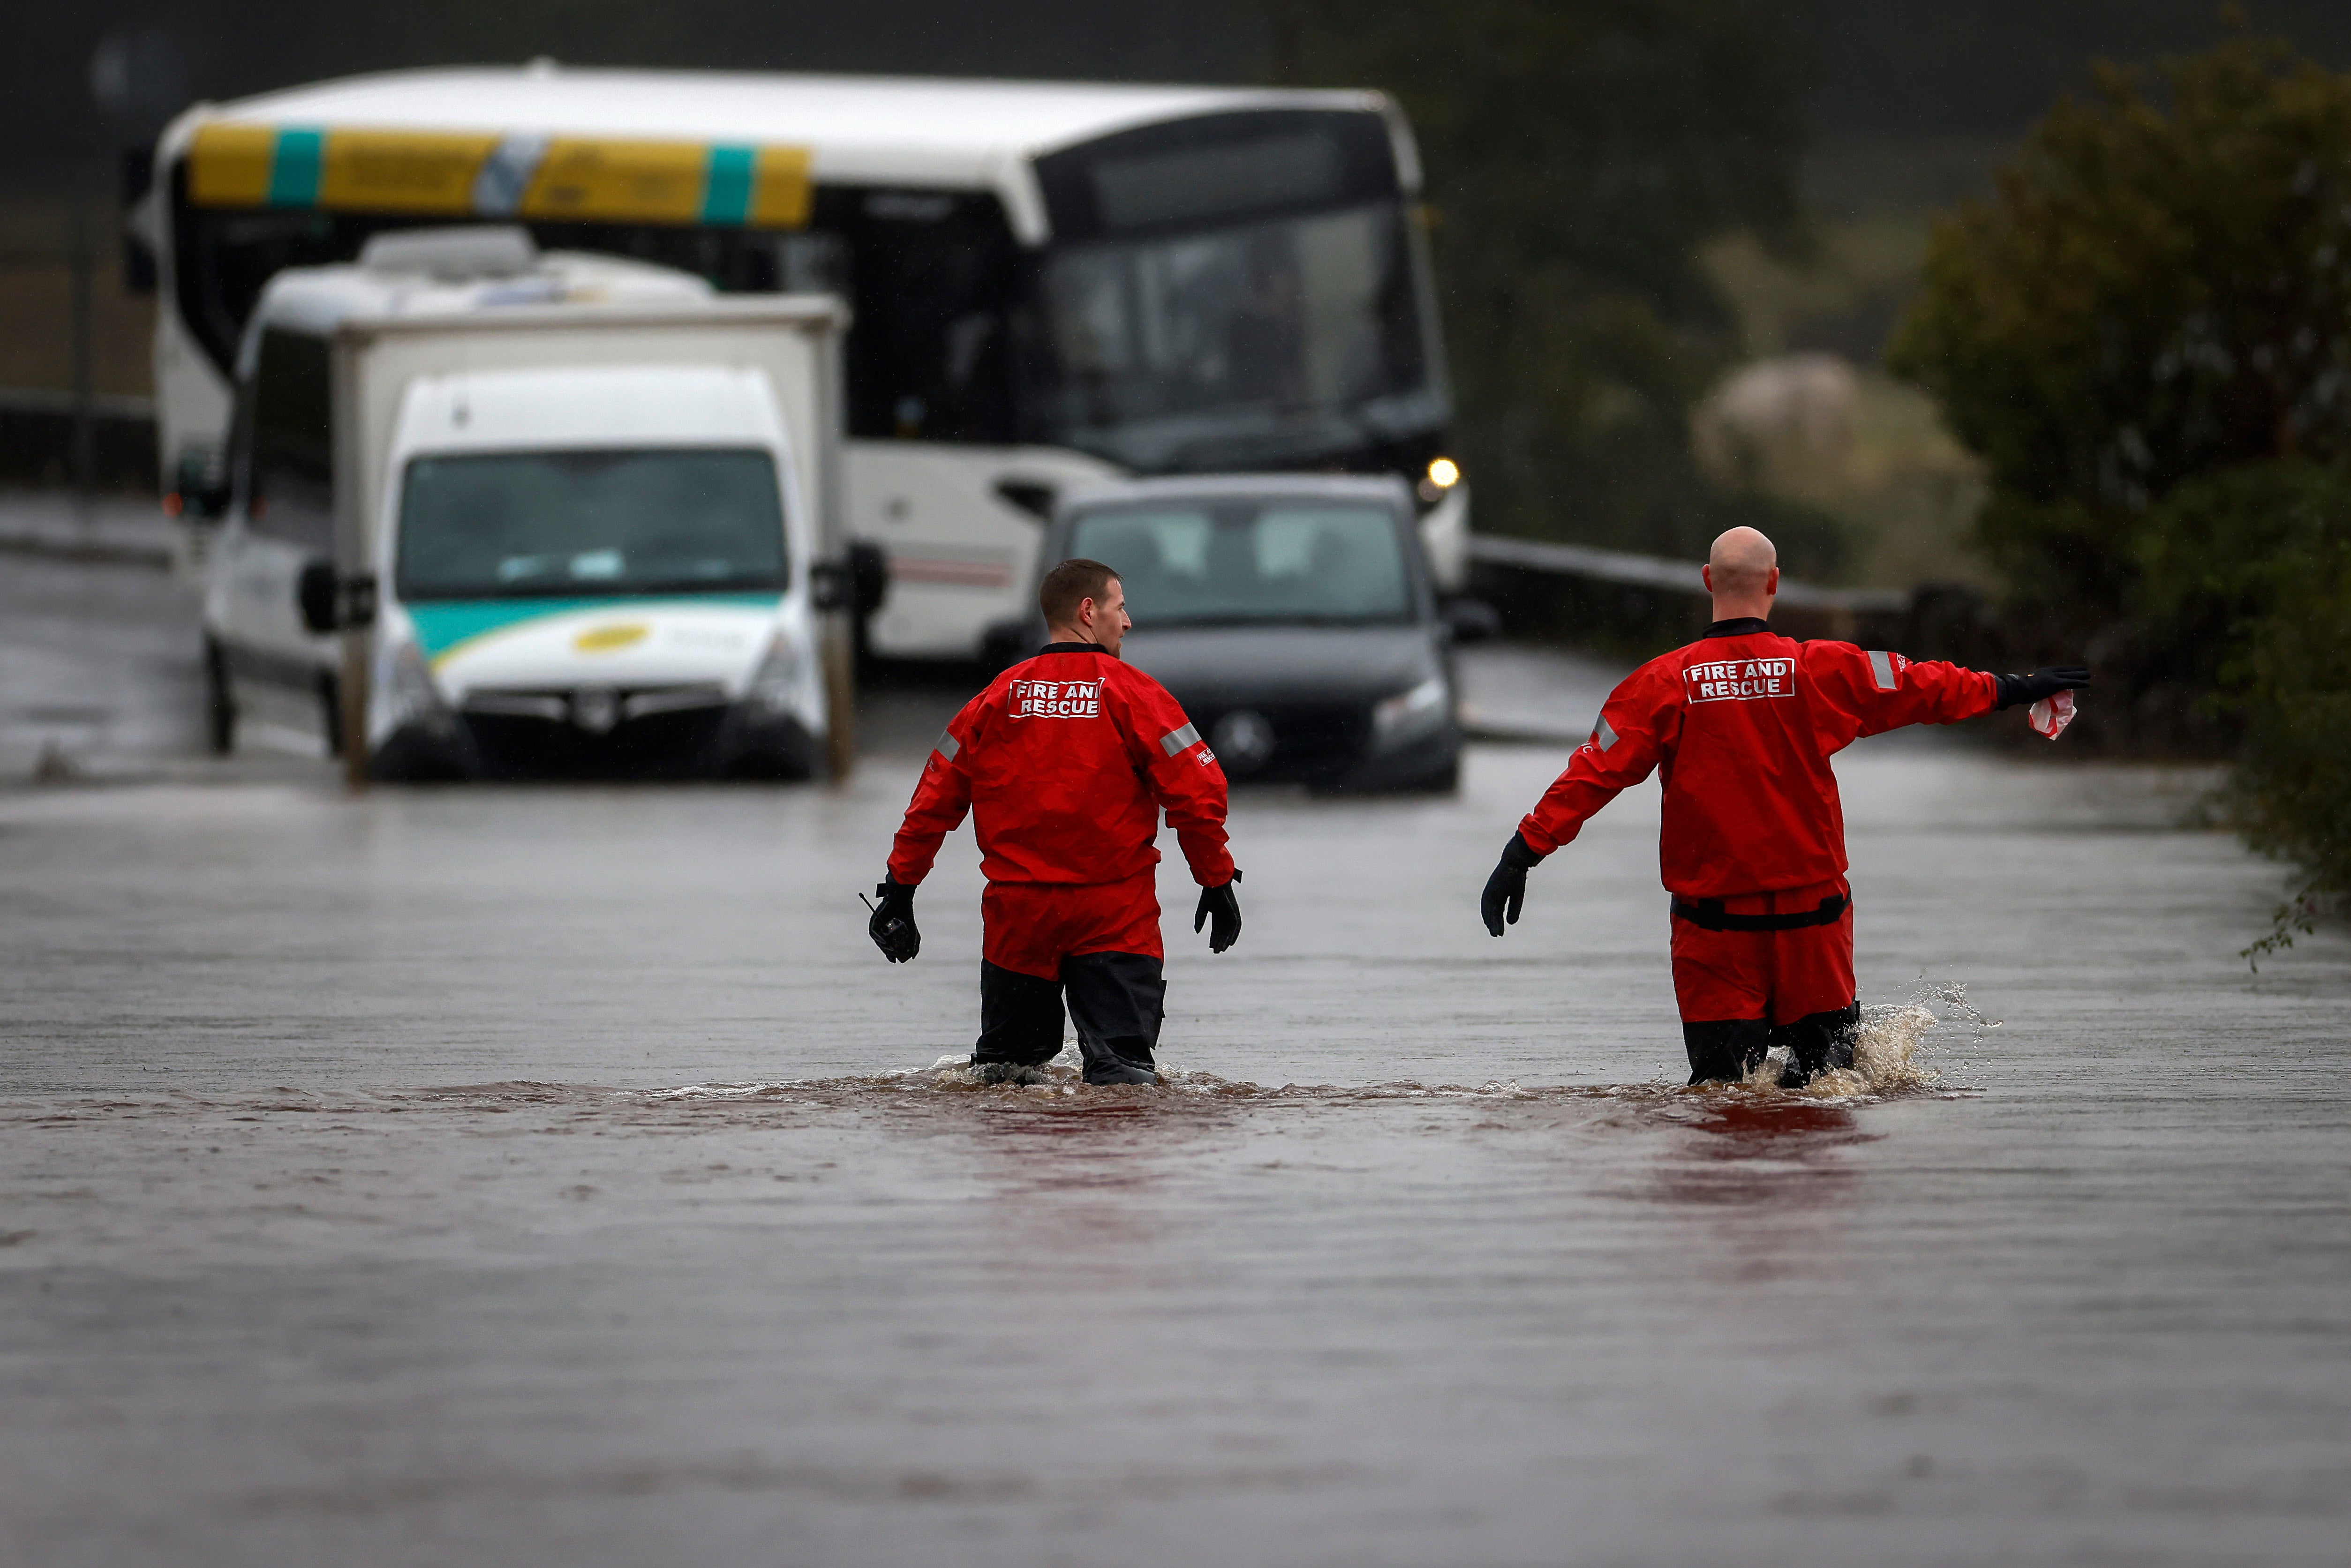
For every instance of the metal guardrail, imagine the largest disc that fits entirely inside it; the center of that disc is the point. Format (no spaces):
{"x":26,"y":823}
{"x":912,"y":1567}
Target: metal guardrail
{"x":104,"y":405}
{"x":1666,"y":574}
{"x":94,"y":442}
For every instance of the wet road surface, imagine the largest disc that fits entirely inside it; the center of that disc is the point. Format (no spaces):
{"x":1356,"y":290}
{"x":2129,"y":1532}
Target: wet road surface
{"x":546,"y":1176}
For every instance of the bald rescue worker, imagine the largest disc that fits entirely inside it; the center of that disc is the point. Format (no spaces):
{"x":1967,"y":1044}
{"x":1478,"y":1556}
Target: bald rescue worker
{"x":1065,"y":762}
{"x":1740,"y":726}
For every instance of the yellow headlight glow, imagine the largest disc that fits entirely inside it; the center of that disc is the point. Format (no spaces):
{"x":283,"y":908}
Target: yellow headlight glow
{"x":1444,"y":472}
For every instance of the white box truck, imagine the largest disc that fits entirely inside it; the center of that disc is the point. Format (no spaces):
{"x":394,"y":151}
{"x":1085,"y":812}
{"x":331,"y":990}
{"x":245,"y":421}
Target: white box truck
{"x":494,"y":514}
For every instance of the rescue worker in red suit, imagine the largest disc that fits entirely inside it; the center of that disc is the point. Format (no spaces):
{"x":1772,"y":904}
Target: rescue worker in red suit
{"x":1739,"y":726}
{"x":1065,"y":762}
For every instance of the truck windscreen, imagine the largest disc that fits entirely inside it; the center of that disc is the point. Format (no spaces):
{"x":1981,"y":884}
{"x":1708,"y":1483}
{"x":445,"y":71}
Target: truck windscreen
{"x":515,"y":524}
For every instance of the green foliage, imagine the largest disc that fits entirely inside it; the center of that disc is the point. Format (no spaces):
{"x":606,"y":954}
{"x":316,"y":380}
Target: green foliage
{"x":2159,"y":288}
{"x":2293,"y":787}
{"x":1580,"y":155}
{"x":2218,"y":558}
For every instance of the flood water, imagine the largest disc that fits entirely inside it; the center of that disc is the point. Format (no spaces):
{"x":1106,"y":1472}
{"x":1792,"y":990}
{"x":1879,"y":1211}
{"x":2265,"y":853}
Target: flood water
{"x":558,"y":1176}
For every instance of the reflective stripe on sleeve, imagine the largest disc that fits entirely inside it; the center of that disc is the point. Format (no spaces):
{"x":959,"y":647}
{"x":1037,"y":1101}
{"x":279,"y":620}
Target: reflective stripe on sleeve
{"x":949,"y":745}
{"x":1604,"y":734}
{"x":1881,"y":669}
{"x":1174,"y":741}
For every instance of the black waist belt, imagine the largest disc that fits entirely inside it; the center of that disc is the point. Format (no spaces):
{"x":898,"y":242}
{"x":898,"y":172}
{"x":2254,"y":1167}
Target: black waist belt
{"x":1707,"y":915}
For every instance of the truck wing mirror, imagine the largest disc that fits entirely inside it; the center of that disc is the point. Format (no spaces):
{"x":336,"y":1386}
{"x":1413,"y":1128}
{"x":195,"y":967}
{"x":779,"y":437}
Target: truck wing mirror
{"x":329,"y":603}
{"x":314,"y":594}
{"x":857,"y":583}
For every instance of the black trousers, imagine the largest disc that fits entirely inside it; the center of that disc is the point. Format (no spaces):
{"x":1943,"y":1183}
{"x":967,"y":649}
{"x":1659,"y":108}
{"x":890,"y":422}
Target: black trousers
{"x":1727,"y":1050}
{"x":1117,"y":999}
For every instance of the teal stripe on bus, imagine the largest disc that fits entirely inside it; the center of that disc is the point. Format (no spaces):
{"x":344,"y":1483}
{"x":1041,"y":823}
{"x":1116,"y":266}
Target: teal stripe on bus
{"x":296,"y":166}
{"x":727,"y":195}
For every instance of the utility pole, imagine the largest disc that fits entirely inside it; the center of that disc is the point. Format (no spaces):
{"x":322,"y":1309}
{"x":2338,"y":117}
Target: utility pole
{"x":83,"y":262}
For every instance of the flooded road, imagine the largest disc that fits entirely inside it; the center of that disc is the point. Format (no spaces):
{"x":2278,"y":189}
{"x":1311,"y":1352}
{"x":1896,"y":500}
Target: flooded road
{"x":557,"y":1176}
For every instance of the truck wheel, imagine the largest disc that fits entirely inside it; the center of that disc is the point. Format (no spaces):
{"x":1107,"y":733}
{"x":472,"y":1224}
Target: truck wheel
{"x":220,"y":706}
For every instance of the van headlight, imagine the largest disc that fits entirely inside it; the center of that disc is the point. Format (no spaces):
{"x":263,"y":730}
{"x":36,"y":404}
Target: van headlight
{"x":411,"y":695}
{"x":775,"y":685}
{"x":1412,"y":712}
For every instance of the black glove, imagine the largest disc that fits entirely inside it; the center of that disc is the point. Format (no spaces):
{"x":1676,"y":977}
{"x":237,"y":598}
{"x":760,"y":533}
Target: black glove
{"x":1222,"y":905}
{"x":892,"y":925}
{"x":1506,"y":889}
{"x":2017,"y":691}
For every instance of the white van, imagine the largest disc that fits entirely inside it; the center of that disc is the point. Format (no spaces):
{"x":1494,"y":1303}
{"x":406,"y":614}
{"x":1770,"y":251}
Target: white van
{"x":588,"y":539}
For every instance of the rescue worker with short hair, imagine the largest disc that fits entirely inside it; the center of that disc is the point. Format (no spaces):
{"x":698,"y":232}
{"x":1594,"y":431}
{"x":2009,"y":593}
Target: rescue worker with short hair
{"x":1739,"y":726}
{"x":1064,"y":764}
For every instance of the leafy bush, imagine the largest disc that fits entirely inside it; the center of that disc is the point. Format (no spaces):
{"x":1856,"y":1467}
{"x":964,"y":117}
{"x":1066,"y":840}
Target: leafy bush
{"x":2219,"y":556}
{"x":2292,"y":684}
{"x":2159,"y":288}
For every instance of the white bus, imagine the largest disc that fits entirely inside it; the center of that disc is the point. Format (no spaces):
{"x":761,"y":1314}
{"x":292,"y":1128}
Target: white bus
{"x":1051,"y":283}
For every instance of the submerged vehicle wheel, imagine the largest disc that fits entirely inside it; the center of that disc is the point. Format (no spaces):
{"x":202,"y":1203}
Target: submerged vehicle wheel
{"x":220,"y":705}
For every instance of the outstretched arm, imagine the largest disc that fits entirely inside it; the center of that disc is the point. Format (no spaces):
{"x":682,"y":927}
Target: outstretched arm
{"x":1880,"y":691}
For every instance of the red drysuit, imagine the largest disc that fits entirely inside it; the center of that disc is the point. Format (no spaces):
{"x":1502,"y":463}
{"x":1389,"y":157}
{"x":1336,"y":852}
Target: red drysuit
{"x":1740,"y":727}
{"x":1065,"y":762}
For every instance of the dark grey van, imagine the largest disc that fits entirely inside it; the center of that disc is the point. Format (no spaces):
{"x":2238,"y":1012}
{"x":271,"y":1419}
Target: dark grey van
{"x":1292,"y":615}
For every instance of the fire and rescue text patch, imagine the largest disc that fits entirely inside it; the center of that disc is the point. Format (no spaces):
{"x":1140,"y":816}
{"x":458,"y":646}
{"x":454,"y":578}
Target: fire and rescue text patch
{"x":1056,"y":700}
{"x":1739,"y":680}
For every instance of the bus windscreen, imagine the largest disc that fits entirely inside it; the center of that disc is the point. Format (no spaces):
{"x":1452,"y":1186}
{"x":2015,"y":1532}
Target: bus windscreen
{"x":1264,"y":341}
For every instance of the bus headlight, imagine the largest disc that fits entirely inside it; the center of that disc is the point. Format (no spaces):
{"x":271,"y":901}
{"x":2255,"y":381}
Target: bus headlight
{"x":1443,"y":474}
{"x":1410,"y":714}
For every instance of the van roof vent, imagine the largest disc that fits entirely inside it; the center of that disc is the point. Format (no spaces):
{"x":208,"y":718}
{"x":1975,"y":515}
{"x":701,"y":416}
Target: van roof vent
{"x":452,"y":255}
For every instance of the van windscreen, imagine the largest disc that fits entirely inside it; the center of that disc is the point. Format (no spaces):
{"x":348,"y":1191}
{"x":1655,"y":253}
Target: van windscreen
{"x":519,"y":524}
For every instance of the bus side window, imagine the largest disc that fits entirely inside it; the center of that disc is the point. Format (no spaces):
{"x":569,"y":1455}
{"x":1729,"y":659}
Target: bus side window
{"x":933,"y":278}
{"x":291,"y":482}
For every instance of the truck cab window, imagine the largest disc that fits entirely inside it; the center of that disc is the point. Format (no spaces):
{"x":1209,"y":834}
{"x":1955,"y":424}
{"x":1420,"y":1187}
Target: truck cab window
{"x":290,"y":483}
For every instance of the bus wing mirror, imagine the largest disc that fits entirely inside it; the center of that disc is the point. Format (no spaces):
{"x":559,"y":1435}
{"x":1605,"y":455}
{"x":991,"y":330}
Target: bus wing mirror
{"x":1031,"y":496}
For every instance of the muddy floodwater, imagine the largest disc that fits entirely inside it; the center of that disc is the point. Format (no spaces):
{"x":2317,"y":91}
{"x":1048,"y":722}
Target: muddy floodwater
{"x":559,"y":1177}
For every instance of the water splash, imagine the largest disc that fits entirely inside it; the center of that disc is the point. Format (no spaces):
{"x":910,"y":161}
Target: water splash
{"x":1892,"y":1055}
{"x":1889,"y":1050}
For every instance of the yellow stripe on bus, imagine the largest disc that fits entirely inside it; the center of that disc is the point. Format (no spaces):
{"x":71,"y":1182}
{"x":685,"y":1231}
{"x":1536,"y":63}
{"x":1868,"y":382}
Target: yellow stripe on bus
{"x":228,"y":165}
{"x":459,"y":173}
{"x":656,"y":181}
{"x":403,"y":170}
{"x":781,"y":192}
